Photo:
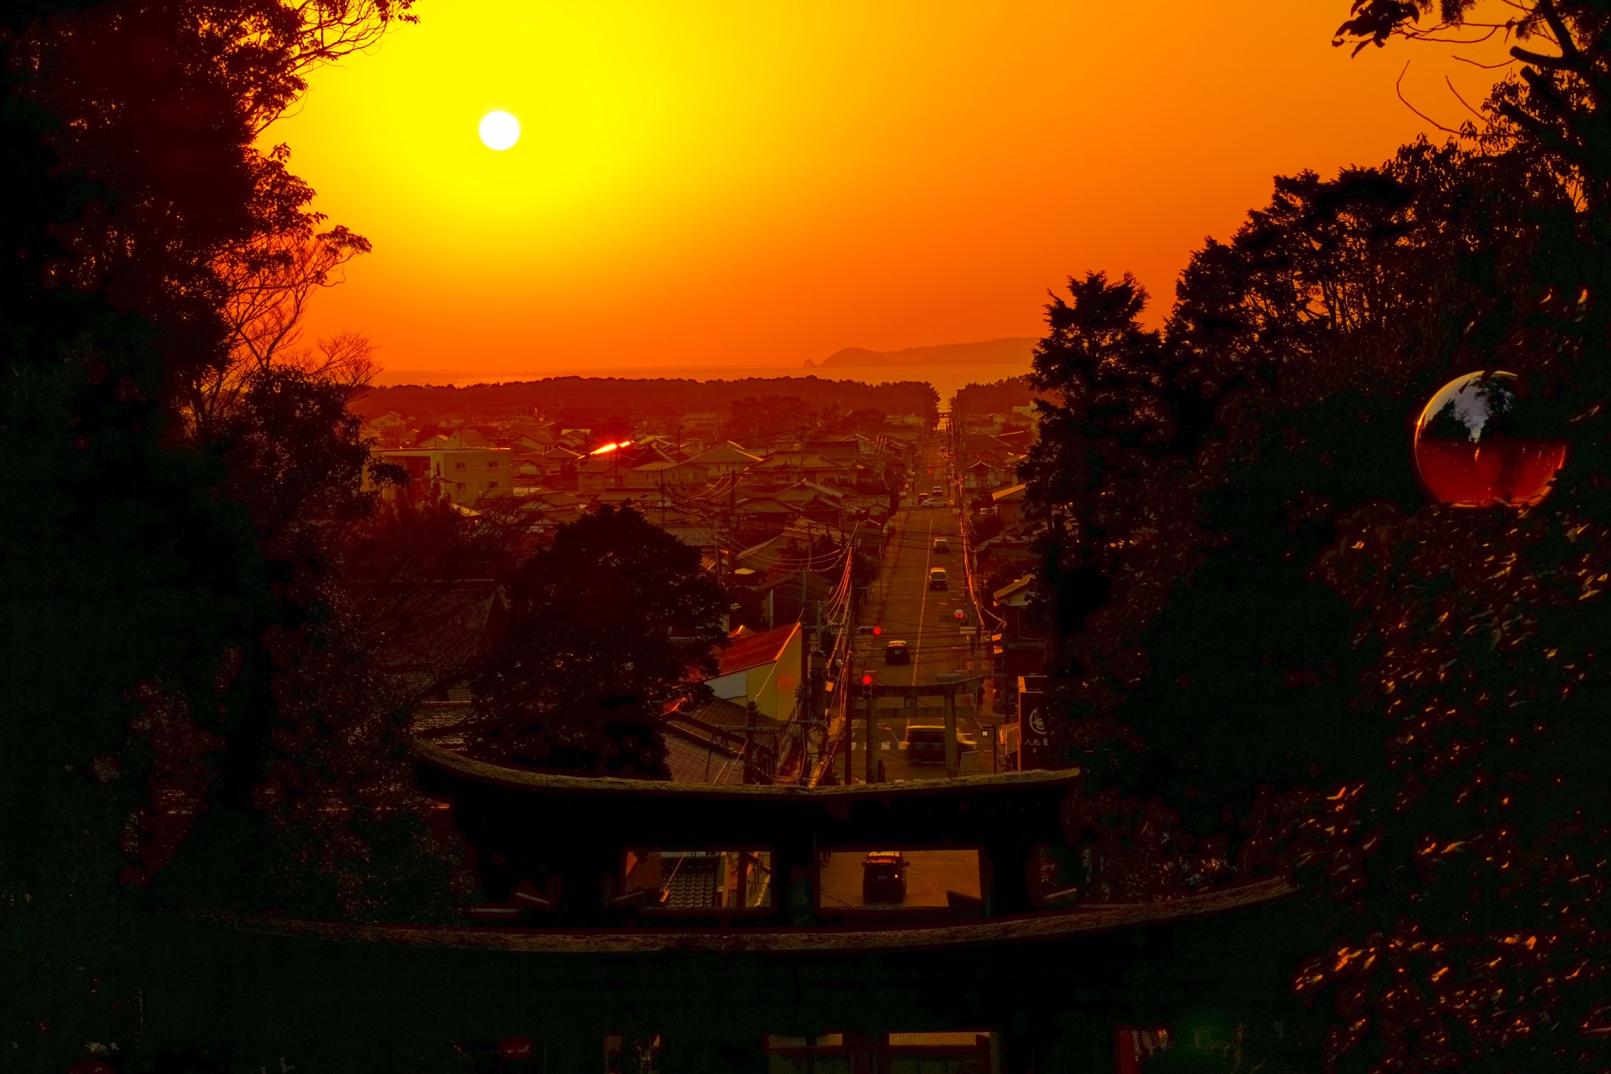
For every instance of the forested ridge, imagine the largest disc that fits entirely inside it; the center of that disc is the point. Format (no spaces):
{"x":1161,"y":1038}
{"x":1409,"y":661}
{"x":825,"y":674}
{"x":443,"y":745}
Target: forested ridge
{"x":608,"y":398}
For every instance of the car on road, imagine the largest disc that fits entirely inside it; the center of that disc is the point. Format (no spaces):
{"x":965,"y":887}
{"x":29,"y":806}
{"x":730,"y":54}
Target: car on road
{"x":938,"y":579}
{"x":925,"y":743}
{"x":932,"y":501}
{"x":937,"y":490}
{"x":896,"y":653}
{"x":883,"y":877}
{"x":941,"y":546}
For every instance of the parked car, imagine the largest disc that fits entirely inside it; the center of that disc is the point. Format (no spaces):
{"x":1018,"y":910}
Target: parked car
{"x":883,"y":876}
{"x":941,"y":546}
{"x":896,"y":653}
{"x":938,"y":579}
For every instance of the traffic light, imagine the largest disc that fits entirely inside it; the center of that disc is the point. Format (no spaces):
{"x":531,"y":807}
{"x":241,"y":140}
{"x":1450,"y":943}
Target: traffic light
{"x":877,"y":630}
{"x":866,"y":678}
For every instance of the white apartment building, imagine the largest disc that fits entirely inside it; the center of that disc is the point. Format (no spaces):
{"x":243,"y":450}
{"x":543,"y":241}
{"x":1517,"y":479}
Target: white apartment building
{"x":465,"y":475}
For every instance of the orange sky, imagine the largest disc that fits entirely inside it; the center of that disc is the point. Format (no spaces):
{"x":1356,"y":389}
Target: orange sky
{"x":738,"y":184}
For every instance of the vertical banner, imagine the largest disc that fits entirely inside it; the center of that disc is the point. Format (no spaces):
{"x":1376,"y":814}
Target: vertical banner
{"x":1034,"y":732}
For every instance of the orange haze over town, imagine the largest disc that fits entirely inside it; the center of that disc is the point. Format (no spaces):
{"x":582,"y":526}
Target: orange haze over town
{"x":731,"y":185}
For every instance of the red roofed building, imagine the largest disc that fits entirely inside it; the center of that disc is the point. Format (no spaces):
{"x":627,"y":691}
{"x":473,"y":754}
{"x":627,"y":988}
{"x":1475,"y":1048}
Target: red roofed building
{"x":766,"y":668}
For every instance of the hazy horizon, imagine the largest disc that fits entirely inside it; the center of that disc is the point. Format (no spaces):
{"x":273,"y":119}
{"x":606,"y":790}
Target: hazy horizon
{"x":946,"y":372}
{"x":689,"y":185}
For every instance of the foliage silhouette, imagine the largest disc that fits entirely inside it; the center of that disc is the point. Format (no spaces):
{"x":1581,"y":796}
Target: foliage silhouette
{"x":156,"y":635}
{"x":609,"y":628}
{"x":1293,"y":663}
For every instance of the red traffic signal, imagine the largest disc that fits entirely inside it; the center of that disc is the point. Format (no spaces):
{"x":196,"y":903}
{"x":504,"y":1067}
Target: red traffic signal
{"x":866,"y":678}
{"x":877,"y":630}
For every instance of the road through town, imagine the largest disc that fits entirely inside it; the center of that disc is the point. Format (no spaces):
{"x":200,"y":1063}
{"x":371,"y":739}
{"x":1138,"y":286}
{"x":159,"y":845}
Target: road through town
{"x":938,"y":625}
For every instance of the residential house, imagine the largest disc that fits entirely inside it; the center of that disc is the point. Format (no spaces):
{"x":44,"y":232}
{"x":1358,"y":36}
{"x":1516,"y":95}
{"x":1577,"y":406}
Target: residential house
{"x":615,"y":469}
{"x":1018,"y":648}
{"x":668,"y":473}
{"x":982,"y":475}
{"x":766,"y":668}
{"x":463,"y":475}
{"x":721,"y":742}
{"x":1009,"y":504}
{"x":727,"y":459}
{"x":788,"y":467}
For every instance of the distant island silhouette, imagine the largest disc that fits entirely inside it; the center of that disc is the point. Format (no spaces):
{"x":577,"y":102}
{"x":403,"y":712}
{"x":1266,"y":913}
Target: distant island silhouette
{"x":988,"y":352}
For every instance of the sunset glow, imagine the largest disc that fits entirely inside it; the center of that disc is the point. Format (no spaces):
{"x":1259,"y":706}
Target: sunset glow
{"x":789,"y":537}
{"x":700,"y":188}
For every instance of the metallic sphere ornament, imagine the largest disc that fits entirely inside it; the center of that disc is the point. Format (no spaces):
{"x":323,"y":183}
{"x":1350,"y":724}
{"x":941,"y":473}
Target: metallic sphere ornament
{"x":1482,"y":442}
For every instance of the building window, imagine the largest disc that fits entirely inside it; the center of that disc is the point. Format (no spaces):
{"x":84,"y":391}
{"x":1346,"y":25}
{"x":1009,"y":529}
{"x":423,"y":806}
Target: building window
{"x":458,"y":466}
{"x":492,"y":484}
{"x":460,"y":486}
{"x":492,"y":464}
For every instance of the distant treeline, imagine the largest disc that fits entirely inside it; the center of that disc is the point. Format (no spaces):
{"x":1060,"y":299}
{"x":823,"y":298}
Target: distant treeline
{"x":611,"y":398}
{"x":997,"y":397}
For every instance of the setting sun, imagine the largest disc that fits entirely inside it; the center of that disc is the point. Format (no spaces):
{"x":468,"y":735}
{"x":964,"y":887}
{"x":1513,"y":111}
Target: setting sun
{"x":831,"y":154}
{"x":499,"y":130}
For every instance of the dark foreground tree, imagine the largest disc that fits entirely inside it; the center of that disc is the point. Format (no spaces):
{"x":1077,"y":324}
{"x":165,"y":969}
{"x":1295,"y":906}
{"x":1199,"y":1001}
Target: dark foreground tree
{"x":165,"y":622}
{"x":609,"y":629}
{"x":1554,"y":101}
{"x":1302,"y":666}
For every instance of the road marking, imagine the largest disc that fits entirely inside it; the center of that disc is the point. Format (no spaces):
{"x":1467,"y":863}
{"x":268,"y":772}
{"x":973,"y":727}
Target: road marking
{"x":928,"y":557}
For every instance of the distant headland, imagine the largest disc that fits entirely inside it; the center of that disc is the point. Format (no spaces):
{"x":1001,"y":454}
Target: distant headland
{"x":990,"y":352}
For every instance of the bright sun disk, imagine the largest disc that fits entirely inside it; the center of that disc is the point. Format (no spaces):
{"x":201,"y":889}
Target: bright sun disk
{"x":499,"y":130}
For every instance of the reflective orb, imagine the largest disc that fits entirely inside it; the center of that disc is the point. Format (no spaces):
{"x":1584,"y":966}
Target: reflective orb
{"x":1482,"y":442}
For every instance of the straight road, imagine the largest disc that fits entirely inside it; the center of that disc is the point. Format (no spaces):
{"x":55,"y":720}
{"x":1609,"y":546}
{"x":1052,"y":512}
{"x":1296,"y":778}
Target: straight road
{"x":906,"y":608}
{"x":930,"y":874}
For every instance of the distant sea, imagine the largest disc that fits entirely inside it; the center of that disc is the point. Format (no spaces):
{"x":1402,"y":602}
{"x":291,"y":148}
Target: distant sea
{"x":946,"y":379}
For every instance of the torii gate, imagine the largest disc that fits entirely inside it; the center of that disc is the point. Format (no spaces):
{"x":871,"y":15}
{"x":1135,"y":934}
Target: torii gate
{"x":871,"y":693}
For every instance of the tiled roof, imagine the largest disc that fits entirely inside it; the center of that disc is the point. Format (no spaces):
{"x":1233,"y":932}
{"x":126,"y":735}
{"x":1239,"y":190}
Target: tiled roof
{"x":692,"y":760}
{"x":721,"y":713}
{"x":690,"y":881}
{"x":1010,"y":588}
{"x":725,"y":454}
{"x":756,"y":649}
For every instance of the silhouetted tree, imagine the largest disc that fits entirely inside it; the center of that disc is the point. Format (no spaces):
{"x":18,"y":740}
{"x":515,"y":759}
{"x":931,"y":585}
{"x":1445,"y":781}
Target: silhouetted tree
{"x":609,"y":629}
{"x":1556,"y":104}
{"x":755,"y":419}
{"x":1299,"y":666}
{"x":146,"y":615}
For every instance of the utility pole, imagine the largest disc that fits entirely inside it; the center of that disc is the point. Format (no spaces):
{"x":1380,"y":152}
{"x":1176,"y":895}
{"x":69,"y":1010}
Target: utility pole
{"x":805,"y":566}
{"x":951,"y":760}
{"x":869,"y":770}
{"x":848,"y":735}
